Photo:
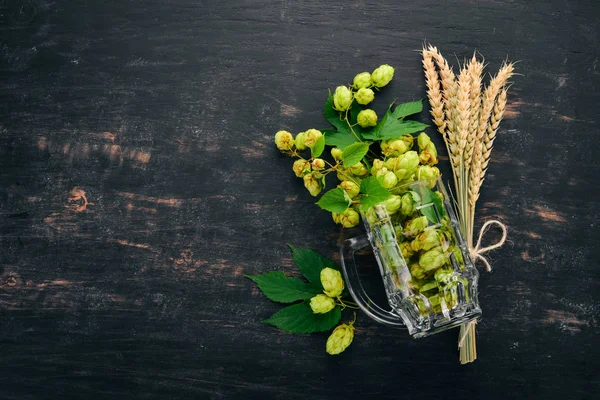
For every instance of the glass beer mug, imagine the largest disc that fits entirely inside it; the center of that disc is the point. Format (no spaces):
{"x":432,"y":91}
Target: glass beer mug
{"x":428,"y":276}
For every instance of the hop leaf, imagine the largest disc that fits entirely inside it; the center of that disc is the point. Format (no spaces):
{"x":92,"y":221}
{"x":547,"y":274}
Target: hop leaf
{"x":373,"y":193}
{"x":283,"y":289}
{"x":300,"y":318}
{"x":336,"y":200}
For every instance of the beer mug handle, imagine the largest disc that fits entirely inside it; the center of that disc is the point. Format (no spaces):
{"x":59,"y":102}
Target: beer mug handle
{"x":355,"y":287}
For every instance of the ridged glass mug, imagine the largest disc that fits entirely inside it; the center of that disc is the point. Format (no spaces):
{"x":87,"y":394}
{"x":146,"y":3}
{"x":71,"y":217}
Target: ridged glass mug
{"x":426,"y":293}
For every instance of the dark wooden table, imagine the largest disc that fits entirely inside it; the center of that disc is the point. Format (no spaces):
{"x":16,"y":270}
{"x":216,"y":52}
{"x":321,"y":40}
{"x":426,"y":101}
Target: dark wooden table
{"x":139,"y":183}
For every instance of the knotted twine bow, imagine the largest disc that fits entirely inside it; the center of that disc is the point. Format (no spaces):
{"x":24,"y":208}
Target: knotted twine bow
{"x":477,"y":254}
{"x":478,"y":251}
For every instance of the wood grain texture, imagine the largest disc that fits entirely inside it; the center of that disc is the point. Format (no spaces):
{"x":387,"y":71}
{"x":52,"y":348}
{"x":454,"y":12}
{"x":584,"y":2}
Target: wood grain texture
{"x":140,"y":183}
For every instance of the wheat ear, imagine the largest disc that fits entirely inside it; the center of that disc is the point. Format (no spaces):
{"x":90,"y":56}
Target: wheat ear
{"x":490,"y":135}
{"x":489,"y":97}
{"x":433,"y":92}
{"x":450,"y":89}
{"x":475,"y":68}
{"x":463,"y":108}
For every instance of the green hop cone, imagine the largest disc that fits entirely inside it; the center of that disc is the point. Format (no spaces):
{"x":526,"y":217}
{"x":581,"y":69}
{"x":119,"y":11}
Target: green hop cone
{"x":321,"y":304}
{"x":426,"y":240}
{"x":428,"y":174}
{"x":301,"y":168}
{"x":415,"y":226}
{"x":336,"y":217}
{"x":406,"y":165}
{"x":359,"y":169}
{"x":382,"y":75}
{"x":397,"y":147}
{"x":299,"y":141}
{"x":284,"y":140}
{"x":389,"y":180}
{"x":336,"y":154}
{"x":364,"y":96}
{"x":444,"y":275}
{"x":332,"y":281}
{"x":313,"y":183}
{"x":318,"y":164}
{"x":367,"y":118}
{"x":378,"y":165}
{"x":459,"y":256}
{"x":311,"y":136}
{"x":342,"y":98}
{"x":340,"y":339}
{"x":362,"y":80}
{"x":351,"y":188}
{"x":433,"y":259}
{"x":418,"y":271}
{"x":427,"y":149}
{"x":450,"y":293}
{"x":409,"y":203}
{"x":392,"y":204}
{"x":343,"y":173}
{"x":423,"y":141}
{"x":349,"y":218}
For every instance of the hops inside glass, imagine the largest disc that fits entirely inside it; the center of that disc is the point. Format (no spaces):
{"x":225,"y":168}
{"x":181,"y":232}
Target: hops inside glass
{"x":429,"y":278}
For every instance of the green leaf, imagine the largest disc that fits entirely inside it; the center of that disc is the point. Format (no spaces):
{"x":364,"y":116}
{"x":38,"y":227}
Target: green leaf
{"x":336,"y":200}
{"x":299,"y":318}
{"x":369,"y":134}
{"x":319,"y":146}
{"x":392,"y":125}
{"x":283,"y":289}
{"x":338,"y":139}
{"x":428,"y":197}
{"x":373,"y":193}
{"x":397,"y":128}
{"x":404,"y":109}
{"x":310,"y":263}
{"x":354,"y":153}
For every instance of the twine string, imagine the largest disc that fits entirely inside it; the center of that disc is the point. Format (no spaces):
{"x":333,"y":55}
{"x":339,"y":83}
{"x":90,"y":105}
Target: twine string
{"x":478,"y":251}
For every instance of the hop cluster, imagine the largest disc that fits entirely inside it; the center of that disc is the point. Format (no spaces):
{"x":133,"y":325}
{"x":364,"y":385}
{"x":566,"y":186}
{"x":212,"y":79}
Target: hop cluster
{"x":403,"y":160}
